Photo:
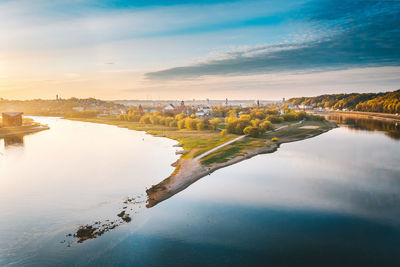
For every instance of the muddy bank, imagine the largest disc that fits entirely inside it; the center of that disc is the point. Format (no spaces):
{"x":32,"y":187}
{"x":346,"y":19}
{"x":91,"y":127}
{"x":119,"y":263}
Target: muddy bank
{"x":191,"y":170}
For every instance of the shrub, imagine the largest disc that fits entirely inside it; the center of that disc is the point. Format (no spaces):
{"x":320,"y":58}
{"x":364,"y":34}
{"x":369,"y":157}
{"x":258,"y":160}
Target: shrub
{"x":181,"y":124}
{"x":291,"y":116}
{"x":255,"y":122}
{"x":265,"y":126}
{"x":173,"y":123}
{"x":252,"y":131}
{"x":214,"y":124}
{"x":272,"y":112}
{"x":190,"y":123}
{"x":200,"y":126}
{"x":180,"y":116}
{"x":154,"y":119}
{"x":121,"y":117}
{"x":275,"y":119}
{"x":315,"y":117}
{"x":168,"y":120}
{"x":275,"y":139}
{"x":145,"y":119}
{"x":224,"y":132}
{"x":258,"y":114}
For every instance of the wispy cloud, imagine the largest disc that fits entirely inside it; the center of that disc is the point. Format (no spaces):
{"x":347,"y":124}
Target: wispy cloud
{"x":361,"y":34}
{"x":202,"y":47}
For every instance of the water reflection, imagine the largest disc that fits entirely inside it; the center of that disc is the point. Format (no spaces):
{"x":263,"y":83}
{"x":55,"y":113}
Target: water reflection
{"x":332,"y":200}
{"x":14,"y":140}
{"x":329,"y":200}
{"x":354,"y":122}
{"x":75,"y":173}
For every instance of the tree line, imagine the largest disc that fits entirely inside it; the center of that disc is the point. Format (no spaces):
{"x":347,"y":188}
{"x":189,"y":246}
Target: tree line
{"x":388,"y":102}
{"x":253,"y":122}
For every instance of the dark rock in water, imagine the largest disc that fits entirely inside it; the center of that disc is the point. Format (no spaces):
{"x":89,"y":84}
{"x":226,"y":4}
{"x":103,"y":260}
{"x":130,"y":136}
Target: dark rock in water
{"x":121,"y":214}
{"x":126,"y":218}
{"x":85,"y":232}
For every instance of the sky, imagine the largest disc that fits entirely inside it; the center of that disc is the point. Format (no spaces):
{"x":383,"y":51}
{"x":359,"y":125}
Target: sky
{"x":187,"y":49}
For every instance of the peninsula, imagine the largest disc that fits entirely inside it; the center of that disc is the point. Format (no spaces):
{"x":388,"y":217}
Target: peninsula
{"x":223,"y":137}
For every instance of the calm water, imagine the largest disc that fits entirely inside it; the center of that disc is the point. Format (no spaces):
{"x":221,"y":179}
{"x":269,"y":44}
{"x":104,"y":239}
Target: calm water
{"x":330,"y":200}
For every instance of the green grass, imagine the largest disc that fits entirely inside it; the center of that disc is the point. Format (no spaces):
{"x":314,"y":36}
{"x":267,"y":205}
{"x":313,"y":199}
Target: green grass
{"x":198,"y":142}
{"x":235,"y":149}
{"x":288,"y":134}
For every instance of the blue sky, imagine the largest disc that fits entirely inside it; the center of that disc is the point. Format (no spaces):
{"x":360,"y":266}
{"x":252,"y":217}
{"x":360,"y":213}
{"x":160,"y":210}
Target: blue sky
{"x":197,"y":49}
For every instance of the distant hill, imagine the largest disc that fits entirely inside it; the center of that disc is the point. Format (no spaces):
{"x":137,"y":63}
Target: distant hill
{"x":60,"y":107}
{"x":388,"y":102}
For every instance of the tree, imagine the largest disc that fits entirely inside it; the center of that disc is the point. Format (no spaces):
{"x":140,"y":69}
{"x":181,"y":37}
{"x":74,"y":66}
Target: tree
{"x":189,"y":123}
{"x":275,"y":119}
{"x":181,"y":124}
{"x":173,"y":123}
{"x":200,"y":126}
{"x":291,"y":116}
{"x":265,"y":126}
{"x":145,"y":119}
{"x":180,"y":116}
{"x":214,"y":124}
{"x":255,"y":122}
{"x":252,"y":131}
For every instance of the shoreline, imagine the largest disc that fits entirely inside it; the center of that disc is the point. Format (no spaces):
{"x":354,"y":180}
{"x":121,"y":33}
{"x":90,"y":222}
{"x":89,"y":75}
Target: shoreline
{"x":24,"y":132}
{"x":191,"y":170}
{"x":369,"y":115}
{"x":187,"y":171}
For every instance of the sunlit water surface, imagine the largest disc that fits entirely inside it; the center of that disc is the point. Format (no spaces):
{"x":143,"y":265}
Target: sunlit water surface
{"x":329,"y":200}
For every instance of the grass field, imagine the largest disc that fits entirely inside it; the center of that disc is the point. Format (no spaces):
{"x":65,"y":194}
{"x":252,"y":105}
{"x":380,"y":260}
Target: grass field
{"x":288,"y":134}
{"x":198,"y":142}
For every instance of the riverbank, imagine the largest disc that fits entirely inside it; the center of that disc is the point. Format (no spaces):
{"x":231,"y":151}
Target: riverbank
{"x":189,"y":171}
{"x":369,"y":115}
{"x":189,"y":168}
{"x":28,"y":127}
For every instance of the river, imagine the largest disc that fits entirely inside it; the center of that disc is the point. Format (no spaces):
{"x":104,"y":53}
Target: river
{"x":330,"y":200}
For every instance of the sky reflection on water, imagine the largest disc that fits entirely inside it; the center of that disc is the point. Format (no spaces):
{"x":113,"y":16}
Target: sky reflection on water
{"x":329,"y":200}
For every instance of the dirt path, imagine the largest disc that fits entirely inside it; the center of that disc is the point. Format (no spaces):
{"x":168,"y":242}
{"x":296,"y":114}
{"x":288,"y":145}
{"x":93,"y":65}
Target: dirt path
{"x":238,"y":138}
{"x":218,"y":147}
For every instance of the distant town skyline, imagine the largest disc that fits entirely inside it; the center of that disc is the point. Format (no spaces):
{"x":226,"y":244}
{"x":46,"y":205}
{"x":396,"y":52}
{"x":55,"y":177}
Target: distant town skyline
{"x":166,"y":50}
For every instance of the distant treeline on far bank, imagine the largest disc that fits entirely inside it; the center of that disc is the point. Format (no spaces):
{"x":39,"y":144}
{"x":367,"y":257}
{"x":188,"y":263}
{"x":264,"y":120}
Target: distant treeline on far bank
{"x":388,"y":102}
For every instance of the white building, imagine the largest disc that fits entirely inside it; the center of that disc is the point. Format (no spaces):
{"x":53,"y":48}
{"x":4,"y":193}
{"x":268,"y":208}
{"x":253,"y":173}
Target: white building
{"x":170,"y":107}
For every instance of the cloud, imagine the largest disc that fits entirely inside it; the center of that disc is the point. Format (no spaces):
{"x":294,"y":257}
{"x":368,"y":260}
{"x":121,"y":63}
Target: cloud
{"x":65,"y":24}
{"x":358,"y":34}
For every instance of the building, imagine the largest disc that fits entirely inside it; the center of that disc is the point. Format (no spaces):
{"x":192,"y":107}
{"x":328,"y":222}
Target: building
{"x":140,"y":109}
{"x":202,"y":111}
{"x":170,"y":107}
{"x":12,"y":119}
{"x":176,"y":109}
